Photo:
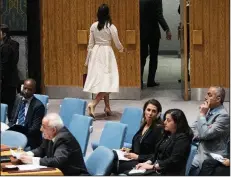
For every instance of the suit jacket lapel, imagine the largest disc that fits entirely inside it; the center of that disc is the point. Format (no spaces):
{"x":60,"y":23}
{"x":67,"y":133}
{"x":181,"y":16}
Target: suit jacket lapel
{"x":148,"y":131}
{"x":18,"y":102}
{"x":50,"y":149}
{"x":29,"y":111}
{"x":213,"y":115}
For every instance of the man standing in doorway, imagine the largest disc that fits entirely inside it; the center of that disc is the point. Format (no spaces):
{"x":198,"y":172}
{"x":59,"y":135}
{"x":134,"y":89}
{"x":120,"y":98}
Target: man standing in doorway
{"x":151,"y":15}
{"x":9,"y":51}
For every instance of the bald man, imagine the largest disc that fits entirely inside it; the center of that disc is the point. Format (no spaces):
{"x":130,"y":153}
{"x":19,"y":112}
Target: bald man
{"x":28,"y":113}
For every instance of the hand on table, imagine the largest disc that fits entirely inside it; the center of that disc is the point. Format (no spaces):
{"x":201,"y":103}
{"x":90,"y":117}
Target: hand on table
{"x":26,"y":158}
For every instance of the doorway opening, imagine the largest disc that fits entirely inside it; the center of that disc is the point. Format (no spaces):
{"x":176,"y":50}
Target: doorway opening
{"x":169,"y":70}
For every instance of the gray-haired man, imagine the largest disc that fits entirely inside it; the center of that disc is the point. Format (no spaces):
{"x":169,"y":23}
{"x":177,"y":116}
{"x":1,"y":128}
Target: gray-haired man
{"x":211,"y":128}
{"x":59,"y":149}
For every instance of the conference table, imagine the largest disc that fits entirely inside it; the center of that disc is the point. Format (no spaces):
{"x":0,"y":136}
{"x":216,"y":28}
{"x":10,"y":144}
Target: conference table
{"x":5,"y":151}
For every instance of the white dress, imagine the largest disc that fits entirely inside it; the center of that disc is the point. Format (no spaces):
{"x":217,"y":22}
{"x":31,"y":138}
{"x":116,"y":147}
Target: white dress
{"x":102,"y":75}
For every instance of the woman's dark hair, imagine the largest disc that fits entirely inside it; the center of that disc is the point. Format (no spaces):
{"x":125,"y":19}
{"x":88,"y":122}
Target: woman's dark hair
{"x":153,"y":102}
{"x":159,"y":110}
{"x":180,"y":120}
{"x":103,"y":16}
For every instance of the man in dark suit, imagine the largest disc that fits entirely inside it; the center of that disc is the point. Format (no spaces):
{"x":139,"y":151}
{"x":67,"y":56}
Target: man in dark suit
{"x":59,"y":149}
{"x":151,"y":15}
{"x":9,"y":51}
{"x":28,"y":113}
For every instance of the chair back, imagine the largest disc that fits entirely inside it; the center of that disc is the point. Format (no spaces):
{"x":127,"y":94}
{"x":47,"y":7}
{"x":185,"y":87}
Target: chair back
{"x":4,"y":126}
{"x":71,"y":106}
{"x":80,"y":128}
{"x":100,"y":162}
{"x":193,"y":151}
{"x":4,"y":108}
{"x":44,"y":99}
{"x":113,"y":135}
{"x":13,"y":139}
{"x":132,"y":117}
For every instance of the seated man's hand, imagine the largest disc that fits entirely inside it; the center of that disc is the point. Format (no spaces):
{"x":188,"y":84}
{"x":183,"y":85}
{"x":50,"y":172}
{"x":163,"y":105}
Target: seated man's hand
{"x":144,"y":166}
{"x":204,"y":108}
{"x":26,"y":159}
{"x":131,"y":156}
{"x":23,"y":154}
{"x":226,"y":162}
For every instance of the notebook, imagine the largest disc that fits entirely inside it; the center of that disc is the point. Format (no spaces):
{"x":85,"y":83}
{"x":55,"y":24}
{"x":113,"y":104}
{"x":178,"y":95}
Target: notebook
{"x":134,"y":171}
{"x":120,"y":155}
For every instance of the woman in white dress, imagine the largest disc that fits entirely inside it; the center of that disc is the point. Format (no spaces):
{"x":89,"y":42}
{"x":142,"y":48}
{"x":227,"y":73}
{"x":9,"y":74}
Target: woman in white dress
{"x":102,"y":75}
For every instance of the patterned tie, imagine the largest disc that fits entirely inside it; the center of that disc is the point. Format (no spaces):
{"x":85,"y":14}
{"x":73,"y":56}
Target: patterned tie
{"x":208,"y":115}
{"x":21,"y":114}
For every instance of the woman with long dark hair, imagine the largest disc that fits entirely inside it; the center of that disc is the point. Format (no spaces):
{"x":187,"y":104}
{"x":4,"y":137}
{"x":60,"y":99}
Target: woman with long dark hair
{"x":146,"y":138}
{"x":102,"y":75}
{"x":172,"y":151}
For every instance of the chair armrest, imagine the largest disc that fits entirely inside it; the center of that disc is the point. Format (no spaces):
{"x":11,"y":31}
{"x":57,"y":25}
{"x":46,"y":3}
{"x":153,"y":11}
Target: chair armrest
{"x":47,"y":106}
{"x":91,"y":129}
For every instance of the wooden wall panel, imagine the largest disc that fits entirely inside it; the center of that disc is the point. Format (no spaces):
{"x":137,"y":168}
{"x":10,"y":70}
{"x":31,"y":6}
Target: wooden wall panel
{"x":64,"y":51}
{"x":210,"y":60}
{"x":63,"y":58}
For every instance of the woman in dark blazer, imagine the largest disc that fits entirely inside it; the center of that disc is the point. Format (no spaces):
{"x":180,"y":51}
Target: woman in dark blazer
{"x":145,"y":140}
{"x":172,"y":151}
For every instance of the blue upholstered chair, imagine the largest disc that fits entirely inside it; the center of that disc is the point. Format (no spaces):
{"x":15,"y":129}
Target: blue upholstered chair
{"x":132,"y":117}
{"x":44,"y":99}
{"x":71,"y":106}
{"x":4,"y":108}
{"x":4,"y":127}
{"x":80,"y":126}
{"x":112,"y":136}
{"x":100,"y":162}
{"x":190,"y":159}
{"x":13,"y":139}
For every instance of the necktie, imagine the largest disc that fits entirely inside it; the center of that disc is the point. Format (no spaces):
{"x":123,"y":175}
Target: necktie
{"x":21,"y":114}
{"x":208,"y":116}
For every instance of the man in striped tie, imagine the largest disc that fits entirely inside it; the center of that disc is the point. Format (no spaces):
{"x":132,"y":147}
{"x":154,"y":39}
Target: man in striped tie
{"x":27,"y":114}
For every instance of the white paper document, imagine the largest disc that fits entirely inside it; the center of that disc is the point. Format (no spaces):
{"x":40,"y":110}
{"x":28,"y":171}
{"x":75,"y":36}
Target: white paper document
{"x":26,"y":167}
{"x":15,"y":154}
{"x":30,"y":167}
{"x":134,"y":171}
{"x":120,"y":155}
{"x":217,"y":157}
